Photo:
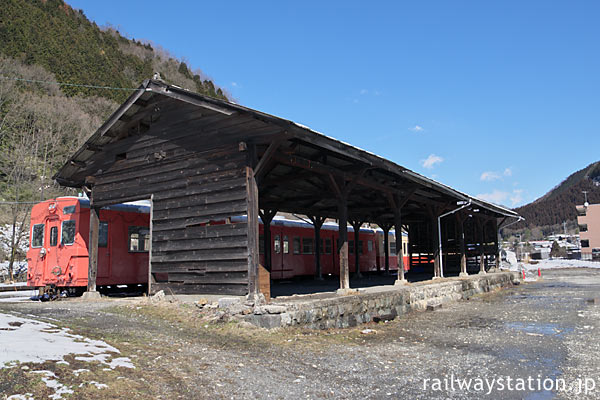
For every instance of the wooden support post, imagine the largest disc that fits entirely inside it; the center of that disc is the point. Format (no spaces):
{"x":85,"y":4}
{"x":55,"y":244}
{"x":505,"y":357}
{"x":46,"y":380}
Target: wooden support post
{"x":253,"y":235}
{"x":386,"y":246}
{"x":396,"y":203}
{"x":497,"y":247}
{"x":150,"y":249}
{"x":435,"y":248}
{"x":460,"y":222}
{"x":343,"y":244}
{"x":481,"y":246}
{"x":317,"y":224}
{"x":356,"y":224}
{"x":267,"y":216}
{"x":93,"y":252}
{"x":399,"y":247}
{"x":342,"y":190}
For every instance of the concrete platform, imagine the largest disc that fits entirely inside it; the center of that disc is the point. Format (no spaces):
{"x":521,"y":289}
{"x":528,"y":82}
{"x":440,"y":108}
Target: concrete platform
{"x":330,"y":310}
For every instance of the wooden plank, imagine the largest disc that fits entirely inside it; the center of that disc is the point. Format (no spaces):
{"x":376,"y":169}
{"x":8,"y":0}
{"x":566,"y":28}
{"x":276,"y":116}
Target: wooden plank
{"x":226,"y":195}
{"x":203,"y":232}
{"x":264,"y":282}
{"x":179,"y":223}
{"x":231,"y":207}
{"x":211,"y":266}
{"x":202,"y":255}
{"x":222,"y":278}
{"x":227,"y":183}
{"x":180,"y":288}
{"x":201,"y":244}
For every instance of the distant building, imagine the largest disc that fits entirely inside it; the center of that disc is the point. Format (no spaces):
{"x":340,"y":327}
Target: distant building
{"x":588,"y":218}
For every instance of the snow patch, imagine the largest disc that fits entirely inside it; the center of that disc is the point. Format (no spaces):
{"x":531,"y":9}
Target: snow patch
{"x":27,"y":340}
{"x":26,"y":396}
{"x":50,"y":379}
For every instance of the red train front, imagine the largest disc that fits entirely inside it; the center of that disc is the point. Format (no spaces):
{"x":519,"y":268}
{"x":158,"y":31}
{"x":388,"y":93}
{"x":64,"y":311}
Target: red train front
{"x":58,"y":251}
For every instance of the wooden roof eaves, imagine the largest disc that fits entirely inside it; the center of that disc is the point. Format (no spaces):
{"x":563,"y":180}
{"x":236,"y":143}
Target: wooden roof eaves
{"x":295,"y":130}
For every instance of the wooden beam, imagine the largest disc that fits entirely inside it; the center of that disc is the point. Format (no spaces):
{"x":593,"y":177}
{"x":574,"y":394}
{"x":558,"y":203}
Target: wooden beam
{"x":267,"y":216}
{"x":343,"y":244}
{"x":253,"y":236}
{"x":317,"y":222}
{"x":356,"y":224}
{"x":320,"y":168}
{"x":93,"y":248}
{"x":259,"y":170}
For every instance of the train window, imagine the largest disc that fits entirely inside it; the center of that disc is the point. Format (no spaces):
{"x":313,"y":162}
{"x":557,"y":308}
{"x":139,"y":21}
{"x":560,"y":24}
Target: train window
{"x":37,"y":235}
{"x":103,"y":234}
{"x":68,"y":232}
{"x":277,"y":245}
{"x":585,"y":243}
{"x":370,"y":246}
{"x":296,"y":248}
{"x":327,"y":246}
{"x":286,"y":245}
{"x":139,"y":238}
{"x":360,"y":247}
{"x":54,"y":236}
{"x":404,"y":246}
{"x":307,"y":245}
{"x":351,"y":246}
{"x":392,"y":248}
{"x":68,"y":210}
{"x":261,"y":244}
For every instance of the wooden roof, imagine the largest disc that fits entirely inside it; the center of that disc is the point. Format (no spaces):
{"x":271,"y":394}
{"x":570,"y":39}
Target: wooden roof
{"x":297,"y":168}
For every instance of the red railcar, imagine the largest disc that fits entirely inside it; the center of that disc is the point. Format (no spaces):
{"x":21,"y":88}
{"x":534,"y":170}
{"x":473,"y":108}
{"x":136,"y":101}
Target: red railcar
{"x":293,"y":249}
{"x":58,"y":249}
{"x":58,"y":252}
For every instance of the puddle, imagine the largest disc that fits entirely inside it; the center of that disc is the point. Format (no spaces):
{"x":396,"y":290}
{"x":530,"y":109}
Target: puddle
{"x":535,"y":328}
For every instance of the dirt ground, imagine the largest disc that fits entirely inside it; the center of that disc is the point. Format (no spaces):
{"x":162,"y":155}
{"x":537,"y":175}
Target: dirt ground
{"x":534,"y":331}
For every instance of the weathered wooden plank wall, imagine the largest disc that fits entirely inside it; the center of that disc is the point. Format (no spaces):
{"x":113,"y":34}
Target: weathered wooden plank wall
{"x":194,"y":191}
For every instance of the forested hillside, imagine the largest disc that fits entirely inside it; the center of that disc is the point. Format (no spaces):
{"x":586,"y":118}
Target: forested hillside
{"x":50,"y":34}
{"x":558,"y":205}
{"x":41,"y":124}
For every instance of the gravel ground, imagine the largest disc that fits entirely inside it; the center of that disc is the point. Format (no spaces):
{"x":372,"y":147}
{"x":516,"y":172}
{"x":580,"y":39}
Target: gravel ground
{"x":529,"y":333}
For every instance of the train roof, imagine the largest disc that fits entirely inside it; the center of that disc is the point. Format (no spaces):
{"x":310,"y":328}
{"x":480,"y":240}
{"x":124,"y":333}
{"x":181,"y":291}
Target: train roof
{"x":125,"y":207}
{"x":330,"y":226}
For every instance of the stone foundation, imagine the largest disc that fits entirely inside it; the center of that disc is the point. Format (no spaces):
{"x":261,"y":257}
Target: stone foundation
{"x":323,"y":311}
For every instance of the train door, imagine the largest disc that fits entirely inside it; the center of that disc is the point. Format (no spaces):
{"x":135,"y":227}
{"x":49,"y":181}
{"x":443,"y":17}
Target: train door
{"x":276,"y":252}
{"x":51,"y":261}
{"x":104,"y":246}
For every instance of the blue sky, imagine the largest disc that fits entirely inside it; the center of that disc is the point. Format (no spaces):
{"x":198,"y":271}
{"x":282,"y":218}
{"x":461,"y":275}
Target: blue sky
{"x":497,"y":99}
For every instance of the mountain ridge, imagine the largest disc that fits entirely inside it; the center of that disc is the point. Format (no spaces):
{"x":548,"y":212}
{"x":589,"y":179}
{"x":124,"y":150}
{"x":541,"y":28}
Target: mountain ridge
{"x":558,"y":204}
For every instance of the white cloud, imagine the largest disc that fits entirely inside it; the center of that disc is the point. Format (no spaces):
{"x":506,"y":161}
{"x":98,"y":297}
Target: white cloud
{"x":497,"y":196}
{"x":234,"y":84}
{"x":517,"y":197}
{"x":417,"y":128}
{"x":364,"y":91}
{"x":430,"y":161}
{"x":489,"y":176}
{"x":500,"y":197}
{"x":493,"y":176}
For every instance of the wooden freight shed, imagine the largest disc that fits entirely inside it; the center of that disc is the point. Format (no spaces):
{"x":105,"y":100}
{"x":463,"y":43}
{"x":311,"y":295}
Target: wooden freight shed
{"x":211,"y":168}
